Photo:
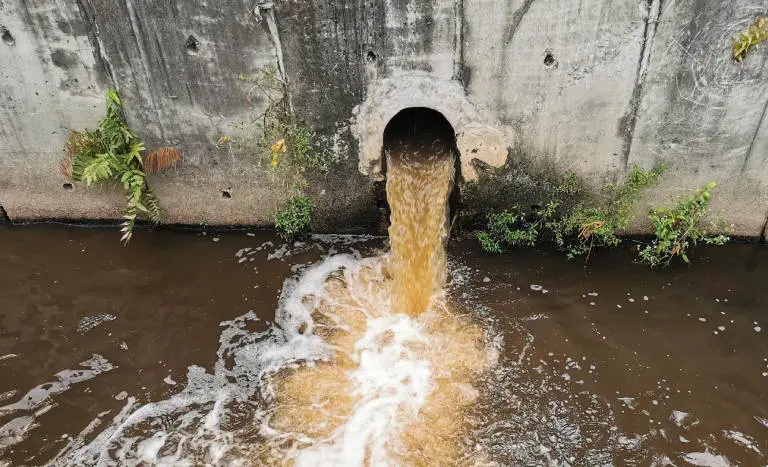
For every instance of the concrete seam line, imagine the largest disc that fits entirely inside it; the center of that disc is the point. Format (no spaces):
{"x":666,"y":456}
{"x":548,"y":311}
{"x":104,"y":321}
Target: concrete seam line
{"x":748,"y":156}
{"x":652,"y":20}
{"x":458,"y":40}
{"x":93,"y":38}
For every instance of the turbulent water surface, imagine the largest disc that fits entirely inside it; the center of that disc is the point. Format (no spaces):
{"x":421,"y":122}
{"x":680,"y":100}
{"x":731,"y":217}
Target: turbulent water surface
{"x":240,"y":349}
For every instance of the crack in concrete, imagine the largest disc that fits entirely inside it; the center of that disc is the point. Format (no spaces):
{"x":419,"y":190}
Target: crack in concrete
{"x":652,"y":20}
{"x":269,"y":10}
{"x":514,"y":23}
{"x":138,"y":35}
{"x":458,"y":40}
{"x":517,"y":17}
{"x":93,"y":38}
{"x":752,"y":143}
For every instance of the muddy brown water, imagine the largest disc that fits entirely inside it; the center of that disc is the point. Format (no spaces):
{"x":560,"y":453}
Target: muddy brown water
{"x":609,"y":364}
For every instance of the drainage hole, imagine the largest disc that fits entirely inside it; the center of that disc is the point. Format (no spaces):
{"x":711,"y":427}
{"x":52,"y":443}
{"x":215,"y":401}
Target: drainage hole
{"x":226,"y":194}
{"x":67,"y":186}
{"x":370,"y":57}
{"x":192,"y":45}
{"x":7,"y":37}
{"x":549,"y":60}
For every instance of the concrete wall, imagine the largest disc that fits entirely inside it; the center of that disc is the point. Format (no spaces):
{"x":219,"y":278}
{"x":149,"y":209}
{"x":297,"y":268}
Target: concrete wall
{"x":549,"y":85}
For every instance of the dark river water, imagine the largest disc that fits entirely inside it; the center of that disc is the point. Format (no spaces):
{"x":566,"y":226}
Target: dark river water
{"x":612,"y":364}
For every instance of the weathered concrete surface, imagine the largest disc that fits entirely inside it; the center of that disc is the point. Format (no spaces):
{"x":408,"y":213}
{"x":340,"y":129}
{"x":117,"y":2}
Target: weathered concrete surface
{"x":558,"y":75}
{"x":585,"y":85}
{"x":703,"y":114}
{"x":62,"y":61}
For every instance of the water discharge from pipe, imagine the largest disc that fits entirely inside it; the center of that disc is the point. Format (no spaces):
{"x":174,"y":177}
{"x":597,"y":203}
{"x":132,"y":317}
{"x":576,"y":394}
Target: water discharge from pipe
{"x":404,"y":363}
{"x":418,"y":187}
{"x":367,"y":362}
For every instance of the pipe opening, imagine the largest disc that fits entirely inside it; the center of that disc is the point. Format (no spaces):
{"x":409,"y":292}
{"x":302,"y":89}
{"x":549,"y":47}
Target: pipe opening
{"x":416,"y":126}
{"x":416,"y":130}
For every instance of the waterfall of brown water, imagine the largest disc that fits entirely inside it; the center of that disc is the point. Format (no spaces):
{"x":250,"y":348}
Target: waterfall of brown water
{"x":367,"y":364}
{"x":418,"y":186}
{"x":404,"y":362}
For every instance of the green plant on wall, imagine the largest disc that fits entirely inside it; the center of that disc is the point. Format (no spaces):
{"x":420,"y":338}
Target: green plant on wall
{"x":590,"y":226}
{"x":293,"y":219}
{"x":516,"y":227}
{"x":574,"y":227}
{"x":284,"y":144}
{"x":679,"y":228}
{"x":755,"y":34}
{"x":113,"y":153}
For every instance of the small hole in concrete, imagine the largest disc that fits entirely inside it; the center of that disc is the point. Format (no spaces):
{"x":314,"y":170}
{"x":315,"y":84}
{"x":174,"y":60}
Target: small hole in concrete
{"x":67,"y":186}
{"x":474,"y":151}
{"x":370,"y":56}
{"x":549,"y":59}
{"x":226,"y":194}
{"x":7,"y":37}
{"x":192,"y":45}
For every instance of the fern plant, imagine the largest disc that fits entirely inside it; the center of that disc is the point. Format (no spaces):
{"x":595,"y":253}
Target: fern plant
{"x":113,"y":153}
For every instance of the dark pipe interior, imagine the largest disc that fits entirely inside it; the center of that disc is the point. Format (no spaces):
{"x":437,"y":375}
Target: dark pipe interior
{"x":417,"y":127}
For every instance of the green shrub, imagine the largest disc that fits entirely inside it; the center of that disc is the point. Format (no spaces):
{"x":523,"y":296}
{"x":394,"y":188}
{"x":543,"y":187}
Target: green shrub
{"x":294,"y":217}
{"x":515,"y":227}
{"x":679,"y":228}
{"x":489,"y":244}
{"x":574,"y":226}
{"x":113,"y":153}
{"x":598,"y":226}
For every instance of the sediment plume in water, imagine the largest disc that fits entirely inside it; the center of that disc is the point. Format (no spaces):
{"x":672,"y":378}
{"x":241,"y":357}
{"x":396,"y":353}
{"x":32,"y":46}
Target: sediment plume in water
{"x":367,"y":363}
{"x":403,"y":365}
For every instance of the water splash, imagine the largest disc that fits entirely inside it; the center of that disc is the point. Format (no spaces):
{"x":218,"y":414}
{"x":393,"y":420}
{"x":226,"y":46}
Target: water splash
{"x":367,"y":363}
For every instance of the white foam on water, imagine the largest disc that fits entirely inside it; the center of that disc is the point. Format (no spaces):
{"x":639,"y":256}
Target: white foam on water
{"x":196,"y":425}
{"x":678,"y":417}
{"x":37,"y":401}
{"x":41,"y":393}
{"x":199,"y":424}
{"x":89,"y":322}
{"x":742,"y":439}
{"x":391,"y":383}
{"x":706,"y":459}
